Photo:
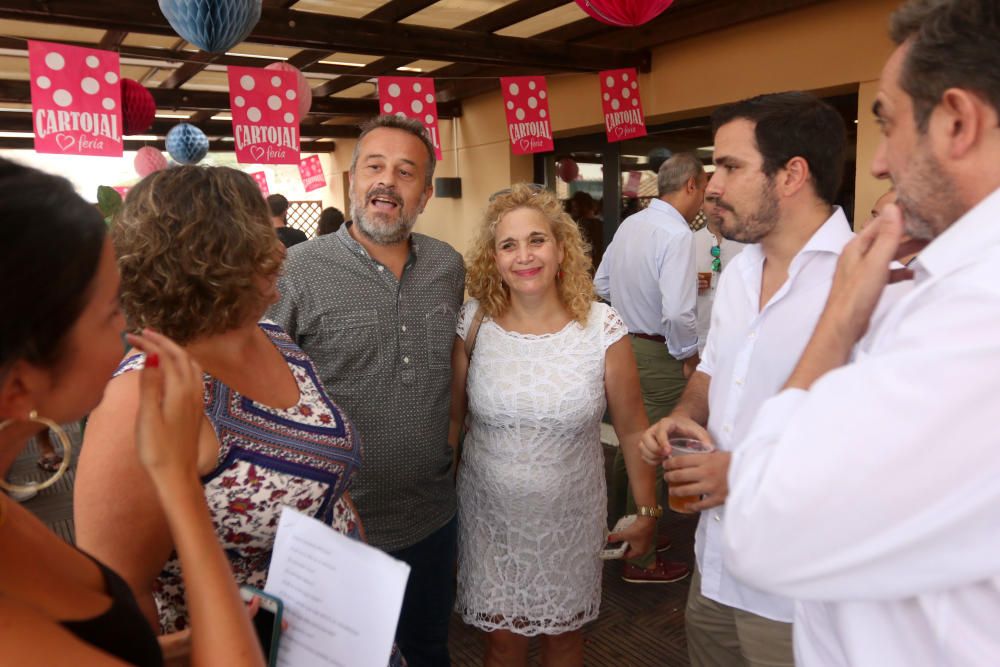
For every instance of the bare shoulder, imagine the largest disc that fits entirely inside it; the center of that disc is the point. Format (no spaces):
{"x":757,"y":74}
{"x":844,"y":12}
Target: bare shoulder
{"x":41,"y":641}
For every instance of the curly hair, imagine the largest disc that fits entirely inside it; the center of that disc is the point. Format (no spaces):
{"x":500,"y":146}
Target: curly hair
{"x":194,"y":246}
{"x":576,"y":287}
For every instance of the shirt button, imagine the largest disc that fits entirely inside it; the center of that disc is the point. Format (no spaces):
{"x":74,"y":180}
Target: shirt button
{"x":728,"y":428}
{"x":717,"y":518}
{"x":403,"y":328}
{"x":381,"y":268}
{"x":406,"y":360}
{"x":753,"y":334}
{"x":739,"y":382}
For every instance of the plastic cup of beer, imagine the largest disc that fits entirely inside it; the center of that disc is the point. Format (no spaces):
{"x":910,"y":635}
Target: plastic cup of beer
{"x":684,"y":447}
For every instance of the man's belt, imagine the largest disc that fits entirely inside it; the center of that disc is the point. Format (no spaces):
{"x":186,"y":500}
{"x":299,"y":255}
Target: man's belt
{"x":655,"y":339}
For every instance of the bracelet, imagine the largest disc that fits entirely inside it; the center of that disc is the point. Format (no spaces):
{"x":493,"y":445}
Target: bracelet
{"x":654,"y":512}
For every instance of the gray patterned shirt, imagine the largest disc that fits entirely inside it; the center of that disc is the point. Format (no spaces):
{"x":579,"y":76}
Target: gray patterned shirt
{"x":383,"y":350}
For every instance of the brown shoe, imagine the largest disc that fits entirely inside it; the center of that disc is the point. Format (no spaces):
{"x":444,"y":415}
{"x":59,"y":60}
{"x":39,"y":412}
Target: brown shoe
{"x":664,"y":572}
{"x":662,"y":543}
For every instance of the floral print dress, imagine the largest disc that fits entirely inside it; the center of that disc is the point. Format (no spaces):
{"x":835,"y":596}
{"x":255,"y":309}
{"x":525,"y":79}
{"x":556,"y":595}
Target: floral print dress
{"x":302,"y":457}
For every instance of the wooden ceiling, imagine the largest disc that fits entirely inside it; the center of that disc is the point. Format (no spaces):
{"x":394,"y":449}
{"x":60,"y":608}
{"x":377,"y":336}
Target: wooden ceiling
{"x":341,"y":47}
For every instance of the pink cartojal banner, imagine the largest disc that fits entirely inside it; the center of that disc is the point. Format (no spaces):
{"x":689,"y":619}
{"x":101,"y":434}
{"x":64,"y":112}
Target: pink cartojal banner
{"x":261,"y":178}
{"x":75,"y":100}
{"x":412,"y":97}
{"x":311,"y":171}
{"x":265,"y":115}
{"x":526,"y":101}
{"x":623,"y":117}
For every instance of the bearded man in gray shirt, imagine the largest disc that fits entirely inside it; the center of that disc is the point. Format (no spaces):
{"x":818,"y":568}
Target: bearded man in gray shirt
{"x":375,"y":306}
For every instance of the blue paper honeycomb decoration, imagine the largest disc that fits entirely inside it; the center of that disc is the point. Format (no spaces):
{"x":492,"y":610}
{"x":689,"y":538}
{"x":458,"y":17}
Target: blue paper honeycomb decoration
{"x":187,"y":144}
{"x":212,"y":25}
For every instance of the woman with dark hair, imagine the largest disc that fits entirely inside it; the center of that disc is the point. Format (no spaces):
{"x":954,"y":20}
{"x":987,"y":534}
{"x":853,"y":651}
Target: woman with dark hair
{"x":199,"y":260}
{"x":59,"y":343}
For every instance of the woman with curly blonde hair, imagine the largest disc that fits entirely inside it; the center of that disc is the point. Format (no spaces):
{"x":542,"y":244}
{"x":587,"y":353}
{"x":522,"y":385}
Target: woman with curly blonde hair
{"x":538,"y":359}
{"x":199,"y":260}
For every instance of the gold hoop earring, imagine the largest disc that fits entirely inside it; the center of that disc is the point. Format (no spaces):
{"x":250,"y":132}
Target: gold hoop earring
{"x":67,"y":453}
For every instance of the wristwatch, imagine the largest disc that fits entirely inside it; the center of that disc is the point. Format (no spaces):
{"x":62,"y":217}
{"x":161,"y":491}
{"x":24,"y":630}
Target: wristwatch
{"x":654,"y":512}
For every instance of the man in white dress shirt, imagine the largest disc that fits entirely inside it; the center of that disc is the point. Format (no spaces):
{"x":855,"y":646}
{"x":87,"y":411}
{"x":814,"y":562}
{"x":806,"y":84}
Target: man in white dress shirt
{"x":870,"y":492}
{"x":779,"y":162}
{"x":648,"y":275}
{"x":712,"y":253}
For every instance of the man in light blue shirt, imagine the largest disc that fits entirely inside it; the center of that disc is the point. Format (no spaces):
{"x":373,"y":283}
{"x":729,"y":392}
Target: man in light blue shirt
{"x":648,"y":274}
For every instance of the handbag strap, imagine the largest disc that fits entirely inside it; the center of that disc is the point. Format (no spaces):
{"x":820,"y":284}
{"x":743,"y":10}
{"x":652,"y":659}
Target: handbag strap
{"x":470,"y":338}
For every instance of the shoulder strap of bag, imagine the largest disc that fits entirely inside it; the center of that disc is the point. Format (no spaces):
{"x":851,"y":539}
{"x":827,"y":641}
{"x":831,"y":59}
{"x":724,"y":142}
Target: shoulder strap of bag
{"x":470,"y":338}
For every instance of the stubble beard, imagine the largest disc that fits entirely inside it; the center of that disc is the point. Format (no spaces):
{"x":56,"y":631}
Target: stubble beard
{"x":927,"y":199}
{"x":752,"y":227}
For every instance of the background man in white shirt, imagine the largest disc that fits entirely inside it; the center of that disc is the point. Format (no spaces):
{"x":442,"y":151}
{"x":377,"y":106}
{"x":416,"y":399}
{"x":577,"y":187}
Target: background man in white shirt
{"x":712,"y":253}
{"x":779,"y":161}
{"x":879,"y":481}
{"x":648,"y":275}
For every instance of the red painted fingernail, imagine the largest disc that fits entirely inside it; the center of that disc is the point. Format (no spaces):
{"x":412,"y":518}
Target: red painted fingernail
{"x":152,"y":361}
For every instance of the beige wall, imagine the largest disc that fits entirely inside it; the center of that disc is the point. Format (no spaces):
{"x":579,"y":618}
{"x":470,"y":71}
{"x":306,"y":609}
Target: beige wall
{"x":840,"y":44}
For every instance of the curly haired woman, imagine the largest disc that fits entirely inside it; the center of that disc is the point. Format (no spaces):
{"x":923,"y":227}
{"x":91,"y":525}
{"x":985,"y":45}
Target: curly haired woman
{"x":545,"y":361}
{"x":199,"y":260}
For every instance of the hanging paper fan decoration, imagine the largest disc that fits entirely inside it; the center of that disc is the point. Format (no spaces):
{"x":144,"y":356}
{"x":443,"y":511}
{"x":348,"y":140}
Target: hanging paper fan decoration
{"x":212,"y":25}
{"x":304,"y":94}
{"x":138,"y":107}
{"x":567,"y":169}
{"x":624,"y":13}
{"x":187,"y":144}
{"x":148,"y":160}
{"x":656,"y":157}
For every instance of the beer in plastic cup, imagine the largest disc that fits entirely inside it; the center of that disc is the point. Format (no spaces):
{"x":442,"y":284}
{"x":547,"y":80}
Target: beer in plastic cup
{"x":683,"y":447}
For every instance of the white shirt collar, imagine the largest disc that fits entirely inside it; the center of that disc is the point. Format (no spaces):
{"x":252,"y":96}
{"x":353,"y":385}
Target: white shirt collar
{"x":963,"y":242}
{"x":659,"y":204}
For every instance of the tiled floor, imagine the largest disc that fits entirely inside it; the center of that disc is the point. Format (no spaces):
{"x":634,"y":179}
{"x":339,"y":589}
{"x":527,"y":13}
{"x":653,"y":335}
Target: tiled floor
{"x":639,"y":625}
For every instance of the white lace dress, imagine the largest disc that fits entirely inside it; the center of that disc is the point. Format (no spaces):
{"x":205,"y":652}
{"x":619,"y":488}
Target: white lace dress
{"x":532,"y":503}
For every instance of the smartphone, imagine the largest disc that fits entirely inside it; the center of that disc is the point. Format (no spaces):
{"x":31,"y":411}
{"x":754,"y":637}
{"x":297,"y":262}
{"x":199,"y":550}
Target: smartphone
{"x":613,"y":550}
{"x":267,"y":621}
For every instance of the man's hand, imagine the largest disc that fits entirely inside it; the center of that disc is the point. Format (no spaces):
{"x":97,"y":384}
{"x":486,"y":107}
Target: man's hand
{"x":639,"y":536}
{"x":691,"y":365}
{"x":654,"y":445}
{"x":699,"y":475}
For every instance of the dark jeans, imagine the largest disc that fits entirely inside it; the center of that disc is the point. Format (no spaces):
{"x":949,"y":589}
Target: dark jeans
{"x":422,"y":634}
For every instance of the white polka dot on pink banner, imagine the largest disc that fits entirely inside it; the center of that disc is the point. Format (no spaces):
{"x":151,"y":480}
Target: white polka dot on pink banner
{"x":89,"y":85}
{"x":276,"y":81}
{"x":247,"y":82}
{"x":274,"y":102}
{"x":62,"y":97}
{"x":635,"y":102}
{"x":519,"y":114}
{"x":606,"y":97}
{"x":513,"y":88}
{"x":92,"y":61}
{"x":253,"y":113}
{"x":289,"y":117}
{"x":542,"y":94}
{"x":429,"y":98}
{"x":531,"y":85}
{"x":626,"y":93}
{"x":108,"y":103}
{"x":634,"y":84}
{"x":394,"y":90}
{"x":416,"y":106}
{"x":387,"y":108}
{"x":417,"y":87}
{"x":609,"y":82}
{"x":290,"y":95}
{"x":111,"y":78}
{"x":43,"y":82}
{"x":542,"y":113}
{"x":532,"y":102}
{"x":615,"y":104}
{"x":55,"y":61}
{"x":510,"y":105}
{"x":624,"y":77}
{"x":240,"y":101}
{"x":429,"y":119}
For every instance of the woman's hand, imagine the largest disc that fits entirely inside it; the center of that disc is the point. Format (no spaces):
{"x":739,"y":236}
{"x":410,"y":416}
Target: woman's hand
{"x":639,"y":536}
{"x":170,"y":407}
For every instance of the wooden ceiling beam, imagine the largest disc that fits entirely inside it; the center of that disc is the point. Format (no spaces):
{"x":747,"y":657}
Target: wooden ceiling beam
{"x":15,"y":121}
{"x":112,"y":39}
{"x":27,"y":143}
{"x":289,"y":27}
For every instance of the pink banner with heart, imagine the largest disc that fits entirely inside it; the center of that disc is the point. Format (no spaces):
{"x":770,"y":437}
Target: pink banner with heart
{"x":412,"y":97}
{"x":311,"y":171}
{"x":623,"y":117}
{"x":265,"y":115}
{"x":75,"y":99}
{"x":526,"y":101}
{"x":261,"y":178}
